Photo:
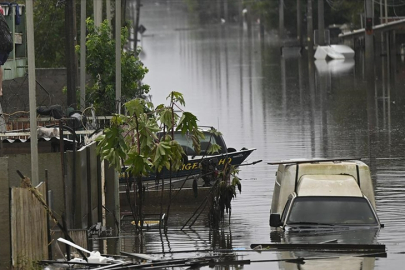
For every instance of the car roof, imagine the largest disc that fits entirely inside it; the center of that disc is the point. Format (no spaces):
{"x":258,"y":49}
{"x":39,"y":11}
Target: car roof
{"x":328,"y":185}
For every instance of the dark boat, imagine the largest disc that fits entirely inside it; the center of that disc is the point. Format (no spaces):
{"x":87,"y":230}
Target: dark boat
{"x":192,"y":166}
{"x":204,"y":163}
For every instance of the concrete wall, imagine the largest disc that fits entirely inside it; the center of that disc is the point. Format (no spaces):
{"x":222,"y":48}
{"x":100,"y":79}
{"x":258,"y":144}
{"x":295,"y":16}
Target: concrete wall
{"x":49,"y":90}
{"x":5,"y":238}
{"x":50,"y":83}
{"x":84,"y":189}
{"x":9,"y":178}
{"x":47,"y":161}
{"x":83,"y":195}
{"x":113,"y":206}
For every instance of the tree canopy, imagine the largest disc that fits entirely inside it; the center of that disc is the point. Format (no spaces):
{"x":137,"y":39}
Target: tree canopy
{"x":100,"y":65}
{"x":50,"y":27}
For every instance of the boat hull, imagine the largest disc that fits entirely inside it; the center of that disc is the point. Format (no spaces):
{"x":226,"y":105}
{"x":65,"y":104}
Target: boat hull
{"x":192,"y":167}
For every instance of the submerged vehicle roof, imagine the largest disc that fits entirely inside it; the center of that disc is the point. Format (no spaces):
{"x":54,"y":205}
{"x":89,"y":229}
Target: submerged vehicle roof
{"x":328,"y":185}
{"x":290,"y":174}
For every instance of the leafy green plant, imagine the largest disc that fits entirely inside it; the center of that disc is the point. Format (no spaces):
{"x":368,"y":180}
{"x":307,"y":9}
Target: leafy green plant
{"x":100,"y":65}
{"x":49,"y":31}
{"x":132,"y":140}
{"x":213,"y":147}
{"x":224,"y":192}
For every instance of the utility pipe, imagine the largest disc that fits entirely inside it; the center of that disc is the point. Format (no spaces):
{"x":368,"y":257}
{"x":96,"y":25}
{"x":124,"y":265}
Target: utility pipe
{"x":32,"y":93}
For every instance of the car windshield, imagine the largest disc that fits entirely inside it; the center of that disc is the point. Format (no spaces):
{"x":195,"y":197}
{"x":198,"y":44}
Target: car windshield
{"x":187,"y":143}
{"x":331,"y":210}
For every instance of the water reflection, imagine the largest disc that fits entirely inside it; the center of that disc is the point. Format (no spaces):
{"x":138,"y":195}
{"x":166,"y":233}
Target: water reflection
{"x":348,"y":236}
{"x":286,"y":107}
{"x":327,"y":260}
{"x":334,"y":67}
{"x":322,"y":262}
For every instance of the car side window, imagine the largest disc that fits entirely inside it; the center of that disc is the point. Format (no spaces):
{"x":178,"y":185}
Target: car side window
{"x":287,"y":205}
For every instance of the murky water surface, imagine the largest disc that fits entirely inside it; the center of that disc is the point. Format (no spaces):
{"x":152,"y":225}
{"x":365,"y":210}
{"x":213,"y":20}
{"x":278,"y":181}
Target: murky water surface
{"x":286,"y":107}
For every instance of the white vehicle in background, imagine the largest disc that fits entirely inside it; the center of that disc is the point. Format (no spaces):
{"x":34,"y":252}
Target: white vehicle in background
{"x":318,"y":194}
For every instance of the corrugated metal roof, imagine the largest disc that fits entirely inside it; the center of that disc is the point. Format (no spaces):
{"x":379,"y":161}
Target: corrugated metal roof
{"x":40,"y":139}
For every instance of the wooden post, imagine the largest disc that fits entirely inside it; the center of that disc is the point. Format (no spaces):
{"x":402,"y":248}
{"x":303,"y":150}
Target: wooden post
{"x":281,"y":19}
{"x":62,"y":161}
{"x":369,"y":73}
{"x":47,"y":199}
{"x":138,"y":8}
{"x":321,"y":23}
{"x":310,"y":29}
{"x":241,"y":17}
{"x":226,"y":17}
{"x":369,"y":42}
{"x":299,"y":22}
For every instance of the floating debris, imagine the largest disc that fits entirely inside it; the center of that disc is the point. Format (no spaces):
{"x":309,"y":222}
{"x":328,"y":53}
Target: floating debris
{"x":326,"y":246}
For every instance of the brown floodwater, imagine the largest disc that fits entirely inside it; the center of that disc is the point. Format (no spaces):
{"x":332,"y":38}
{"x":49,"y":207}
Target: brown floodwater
{"x":285,"y":107}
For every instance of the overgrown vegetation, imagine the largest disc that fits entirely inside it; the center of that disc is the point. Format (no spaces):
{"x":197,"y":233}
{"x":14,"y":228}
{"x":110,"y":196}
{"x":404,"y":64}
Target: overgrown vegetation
{"x":133,"y":141}
{"x":100,"y":65}
{"x":224,"y":192}
{"x":49,"y":31}
{"x":50,"y":27}
{"x":336,"y":12}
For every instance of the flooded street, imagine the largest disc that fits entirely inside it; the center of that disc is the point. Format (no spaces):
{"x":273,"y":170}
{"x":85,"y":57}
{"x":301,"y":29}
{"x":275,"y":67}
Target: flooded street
{"x":285,"y":107}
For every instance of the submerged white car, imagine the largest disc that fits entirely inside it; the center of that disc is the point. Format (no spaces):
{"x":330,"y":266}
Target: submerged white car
{"x":323,"y":194}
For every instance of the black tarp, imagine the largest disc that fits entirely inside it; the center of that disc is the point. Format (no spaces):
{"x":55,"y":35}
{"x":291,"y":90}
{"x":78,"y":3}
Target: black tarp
{"x":6,"y":41}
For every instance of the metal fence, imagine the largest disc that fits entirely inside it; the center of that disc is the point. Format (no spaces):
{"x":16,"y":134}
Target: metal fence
{"x":19,"y":128}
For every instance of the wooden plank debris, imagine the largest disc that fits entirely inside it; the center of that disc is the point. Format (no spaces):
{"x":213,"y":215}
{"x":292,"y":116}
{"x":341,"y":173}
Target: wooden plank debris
{"x":361,"y":248}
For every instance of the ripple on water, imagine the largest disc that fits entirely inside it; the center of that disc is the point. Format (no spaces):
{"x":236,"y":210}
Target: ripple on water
{"x":390,"y":197}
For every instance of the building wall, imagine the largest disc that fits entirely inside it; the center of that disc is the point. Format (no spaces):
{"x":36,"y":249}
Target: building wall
{"x":50,"y":162}
{"x":49,"y":90}
{"x":5,"y":247}
{"x":9,"y":178}
{"x":112,"y":205}
{"x":83,"y":198}
{"x":84,"y":189}
{"x":50,"y":83}
{"x":94,"y":175}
